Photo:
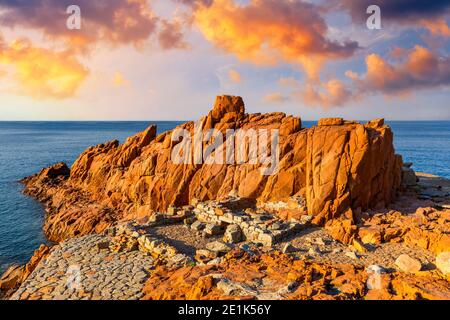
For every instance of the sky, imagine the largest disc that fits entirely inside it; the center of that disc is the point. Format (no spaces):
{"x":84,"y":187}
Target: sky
{"x":168,"y":59}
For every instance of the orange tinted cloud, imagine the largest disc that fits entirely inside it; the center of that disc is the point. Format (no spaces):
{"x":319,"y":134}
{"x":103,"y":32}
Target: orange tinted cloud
{"x":271,"y":31}
{"x":275,"y":97}
{"x":437,"y":27}
{"x":171,"y":36}
{"x":42,"y":73}
{"x":332,"y":93}
{"x":421,"y":69}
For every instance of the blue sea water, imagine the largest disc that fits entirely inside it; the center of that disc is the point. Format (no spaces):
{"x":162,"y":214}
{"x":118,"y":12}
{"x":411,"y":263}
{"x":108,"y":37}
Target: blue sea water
{"x":27,"y":147}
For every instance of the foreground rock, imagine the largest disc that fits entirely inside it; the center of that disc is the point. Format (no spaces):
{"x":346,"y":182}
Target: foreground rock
{"x":335,"y":166}
{"x":79,"y":270}
{"x":443,"y":263}
{"x":16,"y":275}
{"x":407,"y":264}
{"x":277,"y":276}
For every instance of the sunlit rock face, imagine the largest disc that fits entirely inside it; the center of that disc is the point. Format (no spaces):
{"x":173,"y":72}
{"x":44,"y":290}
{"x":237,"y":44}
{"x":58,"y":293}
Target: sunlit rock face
{"x":335,"y":166}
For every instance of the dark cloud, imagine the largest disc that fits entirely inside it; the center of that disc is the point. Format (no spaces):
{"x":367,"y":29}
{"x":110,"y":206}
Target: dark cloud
{"x":397,"y":10}
{"x":115,"y":21}
{"x":195,"y":3}
{"x":171,"y":36}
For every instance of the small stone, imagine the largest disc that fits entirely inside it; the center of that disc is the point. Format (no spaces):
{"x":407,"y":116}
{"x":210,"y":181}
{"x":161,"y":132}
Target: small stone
{"x":218,"y":246}
{"x":359,"y":246}
{"x":370,"y":235}
{"x":288,"y":248}
{"x":189,"y":221}
{"x":197,"y":226}
{"x":214,"y":261}
{"x":407,"y":264}
{"x":275,"y":226}
{"x":103,"y":245}
{"x":319,"y":241}
{"x":266,"y":239}
{"x":443,"y":262}
{"x":213,"y":229}
{"x":233,"y":234}
{"x":305,"y":219}
{"x":157,"y":217}
{"x":314,"y":251}
{"x":135,"y":234}
{"x":351,"y":255}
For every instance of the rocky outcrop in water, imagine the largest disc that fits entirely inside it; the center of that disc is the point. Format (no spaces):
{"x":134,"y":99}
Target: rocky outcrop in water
{"x":336,"y":167}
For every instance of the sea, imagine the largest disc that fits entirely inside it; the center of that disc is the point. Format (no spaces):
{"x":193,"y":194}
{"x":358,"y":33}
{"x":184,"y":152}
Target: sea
{"x":27,"y":147}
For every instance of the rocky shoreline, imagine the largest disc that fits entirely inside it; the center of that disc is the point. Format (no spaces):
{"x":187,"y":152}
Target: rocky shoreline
{"x":344,"y":218}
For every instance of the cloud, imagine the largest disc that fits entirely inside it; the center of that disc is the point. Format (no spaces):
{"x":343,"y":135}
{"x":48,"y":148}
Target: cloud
{"x":271,"y":31}
{"x":171,"y":36}
{"x":332,"y":93}
{"x":234,"y":76}
{"x":421,"y":69}
{"x":437,"y":27}
{"x":112,"y":21}
{"x":275,"y":97}
{"x":42,"y":73}
{"x":408,"y":11}
{"x":424,"y":13}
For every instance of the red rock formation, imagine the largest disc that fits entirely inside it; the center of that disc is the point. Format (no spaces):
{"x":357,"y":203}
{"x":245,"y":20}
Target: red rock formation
{"x":278,"y":276}
{"x":335,"y":166}
{"x":426,"y":228}
{"x":16,"y":275}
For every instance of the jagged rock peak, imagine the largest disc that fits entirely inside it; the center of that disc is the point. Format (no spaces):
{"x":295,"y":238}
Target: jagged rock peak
{"x":226,"y":104}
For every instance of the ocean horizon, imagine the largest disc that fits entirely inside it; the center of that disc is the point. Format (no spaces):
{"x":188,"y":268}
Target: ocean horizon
{"x":28,"y":146}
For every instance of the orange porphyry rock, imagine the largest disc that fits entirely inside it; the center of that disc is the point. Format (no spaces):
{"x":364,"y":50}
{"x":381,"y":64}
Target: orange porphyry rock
{"x":242,"y":276}
{"x":427,"y":228}
{"x":335,"y":166}
{"x":278,"y":276}
{"x":16,"y":275}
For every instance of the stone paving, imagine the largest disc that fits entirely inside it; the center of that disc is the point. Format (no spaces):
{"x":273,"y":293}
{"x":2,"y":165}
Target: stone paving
{"x":79,"y":269}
